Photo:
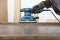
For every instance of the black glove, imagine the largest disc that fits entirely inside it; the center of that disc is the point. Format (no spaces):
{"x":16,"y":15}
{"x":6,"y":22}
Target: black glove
{"x":38,"y":8}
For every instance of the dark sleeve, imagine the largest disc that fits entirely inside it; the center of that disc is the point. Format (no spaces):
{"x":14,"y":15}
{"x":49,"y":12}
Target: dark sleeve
{"x":43,"y":4}
{"x":48,"y":3}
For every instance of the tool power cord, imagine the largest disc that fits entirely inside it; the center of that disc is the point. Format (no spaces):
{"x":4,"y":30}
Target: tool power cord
{"x":55,"y":16}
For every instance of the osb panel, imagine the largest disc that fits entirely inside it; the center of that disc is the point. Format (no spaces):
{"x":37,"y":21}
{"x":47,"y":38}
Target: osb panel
{"x":3,"y":11}
{"x":17,"y":10}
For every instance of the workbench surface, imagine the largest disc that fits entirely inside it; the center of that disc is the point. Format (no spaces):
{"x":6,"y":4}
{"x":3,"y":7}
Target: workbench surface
{"x":30,"y":31}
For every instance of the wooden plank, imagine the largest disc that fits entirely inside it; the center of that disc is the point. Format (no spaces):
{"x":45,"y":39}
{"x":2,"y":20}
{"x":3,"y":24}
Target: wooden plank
{"x":31,"y":38}
{"x":30,"y":29}
{"x":17,"y":10}
{"x":13,"y":32}
{"x":37,"y":24}
{"x":3,"y":11}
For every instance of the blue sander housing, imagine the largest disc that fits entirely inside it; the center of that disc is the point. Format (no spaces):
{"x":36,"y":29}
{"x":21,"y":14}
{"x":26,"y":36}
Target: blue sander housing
{"x":27,"y":14}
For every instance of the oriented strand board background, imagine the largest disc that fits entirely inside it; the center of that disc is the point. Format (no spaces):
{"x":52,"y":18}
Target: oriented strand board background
{"x":3,"y":11}
{"x":17,"y":10}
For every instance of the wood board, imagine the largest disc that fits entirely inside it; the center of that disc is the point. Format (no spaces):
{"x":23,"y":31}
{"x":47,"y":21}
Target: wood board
{"x":3,"y":11}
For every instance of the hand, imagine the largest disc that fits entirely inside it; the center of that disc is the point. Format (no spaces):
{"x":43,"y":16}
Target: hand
{"x":35,"y":8}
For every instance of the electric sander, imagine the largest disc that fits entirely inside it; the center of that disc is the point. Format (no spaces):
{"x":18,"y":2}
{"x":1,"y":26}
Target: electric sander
{"x":27,"y":15}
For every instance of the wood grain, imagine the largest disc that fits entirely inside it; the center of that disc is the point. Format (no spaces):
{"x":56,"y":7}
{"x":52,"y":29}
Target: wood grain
{"x":3,"y":11}
{"x":21,"y":31}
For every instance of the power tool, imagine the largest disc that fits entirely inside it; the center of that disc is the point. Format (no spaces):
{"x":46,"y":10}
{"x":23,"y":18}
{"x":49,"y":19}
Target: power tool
{"x":27,"y":15}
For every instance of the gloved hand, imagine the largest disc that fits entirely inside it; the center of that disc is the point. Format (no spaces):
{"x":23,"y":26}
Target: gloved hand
{"x":38,"y":8}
